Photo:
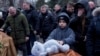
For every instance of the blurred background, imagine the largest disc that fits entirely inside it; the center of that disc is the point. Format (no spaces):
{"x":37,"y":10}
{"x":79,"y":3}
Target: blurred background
{"x":4,"y":4}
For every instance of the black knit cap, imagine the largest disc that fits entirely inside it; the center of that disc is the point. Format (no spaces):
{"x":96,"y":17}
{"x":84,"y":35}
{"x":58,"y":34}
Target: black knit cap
{"x":63,"y":16}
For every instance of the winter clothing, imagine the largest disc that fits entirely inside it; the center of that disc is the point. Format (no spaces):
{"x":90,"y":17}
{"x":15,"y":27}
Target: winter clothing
{"x":57,"y":12}
{"x":46,"y":24}
{"x":1,"y":22}
{"x":65,"y":35}
{"x":93,"y":35}
{"x":19,"y":30}
{"x":77,"y":23}
{"x":19,"y":27}
{"x":80,"y":26}
{"x":31,"y":15}
{"x":63,"y":16}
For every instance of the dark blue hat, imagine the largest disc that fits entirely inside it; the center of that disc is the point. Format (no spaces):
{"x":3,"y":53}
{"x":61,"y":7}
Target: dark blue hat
{"x":63,"y":16}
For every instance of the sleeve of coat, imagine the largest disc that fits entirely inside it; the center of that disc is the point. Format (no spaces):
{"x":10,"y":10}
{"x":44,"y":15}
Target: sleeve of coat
{"x":89,"y":43}
{"x":26,"y":25}
{"x":52,"y":35}
{"x":6,"y":24}
{"x":71,"y":38}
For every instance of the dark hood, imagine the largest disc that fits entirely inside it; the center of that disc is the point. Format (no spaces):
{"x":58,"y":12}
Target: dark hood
{"x":84,"y":4}
{"x":63,"y":16}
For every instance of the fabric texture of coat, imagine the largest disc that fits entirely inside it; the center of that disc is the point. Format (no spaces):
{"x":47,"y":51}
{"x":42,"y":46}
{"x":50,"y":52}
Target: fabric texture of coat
{"x":93,"y":35}
{"x":19,"y":27}
{"x":67,"y":35}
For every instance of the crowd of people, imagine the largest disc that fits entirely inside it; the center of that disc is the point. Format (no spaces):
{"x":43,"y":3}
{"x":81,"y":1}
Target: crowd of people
{"x":76,"y":24}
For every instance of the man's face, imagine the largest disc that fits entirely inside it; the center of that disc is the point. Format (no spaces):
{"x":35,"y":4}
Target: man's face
{"x":43,"y":9}
{"x":57,"y":7}
{"x":70,"y":8}
{"x":92,"y":5}
{"x":80,"y":11}
{"x":12,"y":11}
{"x":62,"y":24}
{"x":26,"y":6}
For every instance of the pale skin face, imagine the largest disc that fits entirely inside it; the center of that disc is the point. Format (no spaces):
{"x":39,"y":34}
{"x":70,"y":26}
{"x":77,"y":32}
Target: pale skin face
{"x":70,"y":8}
{"x":80,"y":11}
{"x":57,"y":7}
{"x":91,"y":4}
{"x":43,"y":9}
{"x":62,"y":24}
{"x":26,"y":6}
{"x":12,"y":11}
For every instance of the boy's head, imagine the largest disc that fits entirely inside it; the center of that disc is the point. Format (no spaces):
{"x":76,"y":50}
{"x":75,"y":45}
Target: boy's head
{"x":63,"y":20}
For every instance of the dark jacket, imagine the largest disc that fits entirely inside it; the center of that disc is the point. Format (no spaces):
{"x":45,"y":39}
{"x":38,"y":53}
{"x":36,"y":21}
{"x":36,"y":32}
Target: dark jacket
{"x":76,"y":23}
{"x":57,"y":12}
{"x":19,"y":27}
{"x":31,"y":17}
{"x":67,"y":35}
{"x":46,"y":22}
{"x":93,"y":35}
{"x":1,"y":22}
{"x":70,"y":14}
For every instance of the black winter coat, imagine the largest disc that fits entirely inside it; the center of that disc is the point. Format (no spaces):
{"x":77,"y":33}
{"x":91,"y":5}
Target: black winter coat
{"x":77,"y":22}
{"x":46,"y":22}
{"x":31,"y":17}
{"x":93,"y":35}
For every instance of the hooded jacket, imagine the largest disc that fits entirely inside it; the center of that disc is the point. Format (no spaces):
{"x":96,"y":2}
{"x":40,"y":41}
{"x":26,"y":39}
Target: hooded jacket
{"x":76,"y":22}
{"x":66,"y":35}
{"x":93,"y":34}
{"x":19,"y":27}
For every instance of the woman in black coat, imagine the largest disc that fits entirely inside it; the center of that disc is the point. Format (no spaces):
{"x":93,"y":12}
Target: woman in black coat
{"x":79,"y":24}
